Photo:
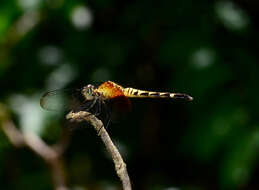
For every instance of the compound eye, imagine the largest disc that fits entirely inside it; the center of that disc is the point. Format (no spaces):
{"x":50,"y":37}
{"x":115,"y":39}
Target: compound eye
{"x":88,"y":92}
{"x":90,"y":86}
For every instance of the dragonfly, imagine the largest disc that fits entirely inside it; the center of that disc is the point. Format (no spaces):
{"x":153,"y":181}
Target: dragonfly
{"x":98,"y":99}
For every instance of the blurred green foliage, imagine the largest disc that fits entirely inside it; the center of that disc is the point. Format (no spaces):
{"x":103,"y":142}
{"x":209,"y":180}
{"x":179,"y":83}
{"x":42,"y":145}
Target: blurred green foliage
{"x":206,"y":49}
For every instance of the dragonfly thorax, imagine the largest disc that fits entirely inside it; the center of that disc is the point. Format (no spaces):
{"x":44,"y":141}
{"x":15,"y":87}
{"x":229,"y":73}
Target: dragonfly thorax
{"x":88,"y":92}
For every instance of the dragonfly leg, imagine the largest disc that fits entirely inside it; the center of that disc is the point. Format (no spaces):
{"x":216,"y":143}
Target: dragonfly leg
{"x":108,"y":116}
{"x":88,"y":109}
{"x":92,"y":105}
{"x":107,"y":113}
{"x":98,"y":108}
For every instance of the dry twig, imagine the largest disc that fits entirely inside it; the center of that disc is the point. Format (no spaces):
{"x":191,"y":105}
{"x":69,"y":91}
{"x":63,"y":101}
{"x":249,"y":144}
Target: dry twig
{"x":52,"y":155}
{"x":37,"y":145}
{"x":120,"y":166}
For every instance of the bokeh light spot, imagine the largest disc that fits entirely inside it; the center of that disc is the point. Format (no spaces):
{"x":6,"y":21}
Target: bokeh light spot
{"x":231,"y":15}
{"x":61,"y":77}
{"x":29,"y":4}
{"x":50,"y":55}
{"x":81,"y":17}
{"x":30,"y":114}
{"x":202,"y":58}
{"x":172,"y":188}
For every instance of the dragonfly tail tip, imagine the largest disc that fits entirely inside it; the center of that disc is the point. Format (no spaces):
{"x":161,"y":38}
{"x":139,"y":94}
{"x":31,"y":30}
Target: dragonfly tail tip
{"x":190,"y":98}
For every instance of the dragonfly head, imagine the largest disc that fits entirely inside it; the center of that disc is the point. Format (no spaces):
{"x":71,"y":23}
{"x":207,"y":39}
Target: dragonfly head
{"x":88,"y":92}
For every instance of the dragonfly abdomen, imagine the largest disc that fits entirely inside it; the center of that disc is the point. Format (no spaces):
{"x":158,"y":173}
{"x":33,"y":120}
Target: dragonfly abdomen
{"x":136,"y":93}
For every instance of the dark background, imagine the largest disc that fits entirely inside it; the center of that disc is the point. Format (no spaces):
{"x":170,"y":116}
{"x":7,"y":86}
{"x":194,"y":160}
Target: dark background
{"x":208,"y":49}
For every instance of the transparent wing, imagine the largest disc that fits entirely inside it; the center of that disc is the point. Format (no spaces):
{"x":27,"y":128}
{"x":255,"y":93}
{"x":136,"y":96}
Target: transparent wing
{"x":65,"y":99}
{"x":55,"y":100}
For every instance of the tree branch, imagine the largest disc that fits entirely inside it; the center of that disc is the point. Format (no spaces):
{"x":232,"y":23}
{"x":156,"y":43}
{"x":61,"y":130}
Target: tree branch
{"x":120,"y":166}
{"x":38,"y":146}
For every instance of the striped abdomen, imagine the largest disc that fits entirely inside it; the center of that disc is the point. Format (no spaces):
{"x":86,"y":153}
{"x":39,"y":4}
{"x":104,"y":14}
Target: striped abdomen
{"x":136,"y":93}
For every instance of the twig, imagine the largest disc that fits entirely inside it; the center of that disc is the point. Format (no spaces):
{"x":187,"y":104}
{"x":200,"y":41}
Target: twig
{"x":37,"y":145}
{"x":120,"y":166}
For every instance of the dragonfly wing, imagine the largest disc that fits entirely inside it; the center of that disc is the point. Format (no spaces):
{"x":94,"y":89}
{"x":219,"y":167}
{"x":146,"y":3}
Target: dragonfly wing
{"x":64,"y":99}
{"x":53,"y":100}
